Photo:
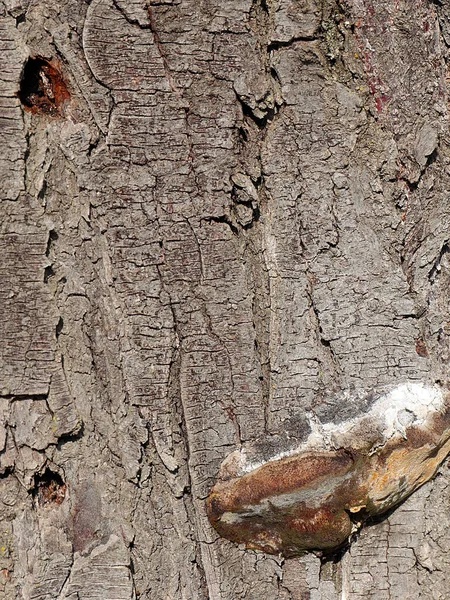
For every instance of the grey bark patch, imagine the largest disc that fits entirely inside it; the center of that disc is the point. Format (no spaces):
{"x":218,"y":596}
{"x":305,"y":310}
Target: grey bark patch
{"x":426,"y":143}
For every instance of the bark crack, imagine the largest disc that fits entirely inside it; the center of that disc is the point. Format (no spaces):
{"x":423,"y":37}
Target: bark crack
{"x":250,"y":197}
{"x":184,"y":105}
{"x":66,"y":582}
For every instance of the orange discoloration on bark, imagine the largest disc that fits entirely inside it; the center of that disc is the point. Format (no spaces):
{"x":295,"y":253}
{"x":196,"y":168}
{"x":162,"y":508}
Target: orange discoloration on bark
{"x":43,"y":89}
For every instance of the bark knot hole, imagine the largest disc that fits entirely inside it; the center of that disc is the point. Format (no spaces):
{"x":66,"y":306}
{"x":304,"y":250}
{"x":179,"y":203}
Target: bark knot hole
{"x":49,"y":488}
{"x":42,"y":87}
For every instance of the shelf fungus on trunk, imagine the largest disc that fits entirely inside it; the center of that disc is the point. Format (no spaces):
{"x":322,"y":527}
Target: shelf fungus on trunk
{"x":312,"y":497}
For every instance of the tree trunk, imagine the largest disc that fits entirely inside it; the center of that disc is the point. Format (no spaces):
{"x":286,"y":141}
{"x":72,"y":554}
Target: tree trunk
{"x":222,"y":221}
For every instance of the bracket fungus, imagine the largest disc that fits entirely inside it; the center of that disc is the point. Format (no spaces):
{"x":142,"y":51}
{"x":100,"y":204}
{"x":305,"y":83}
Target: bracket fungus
{"x":312,"y":497}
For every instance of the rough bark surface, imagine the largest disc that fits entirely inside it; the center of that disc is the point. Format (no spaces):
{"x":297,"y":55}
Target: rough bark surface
{"x":240,"y":213}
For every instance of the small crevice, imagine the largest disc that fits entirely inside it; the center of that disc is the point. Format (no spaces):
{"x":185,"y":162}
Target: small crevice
{"x":42,"y":191}
{"x":223,"y":219}
{"x":21,"y":18}
{"x":59,"y":327}
{"x":436,"y":268}
{"x":20,"y":397}
{"x":255,"y":217}
{"x":413,"y":185}
{"x":48,"y":273}
{"x":6,"y":472}
{"x":73,"y":436}
{"x":261,"y":122}
{"x":277,"y":45}
{"x":129,"y":19}
{"x":336,"y":555}
{"x":431,"y":158}
{"x":52,"y":237}
{"x":246,"y":210}
{"x":26,"y":156}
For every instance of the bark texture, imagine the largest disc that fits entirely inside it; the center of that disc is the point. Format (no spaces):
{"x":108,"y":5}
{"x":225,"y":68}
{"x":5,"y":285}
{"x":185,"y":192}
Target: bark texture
{"x":241,"y":212}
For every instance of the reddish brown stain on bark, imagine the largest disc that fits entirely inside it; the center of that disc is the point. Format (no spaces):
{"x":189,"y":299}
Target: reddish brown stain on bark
{"x":421,"y":348}
{"x":87,"y":515}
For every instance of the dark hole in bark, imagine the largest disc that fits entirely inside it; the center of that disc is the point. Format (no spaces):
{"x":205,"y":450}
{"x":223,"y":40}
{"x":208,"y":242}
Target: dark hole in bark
{"x":49,"y":488}
{"x":335,"y":555}
{"x":59,"y":326}
{"x":48,"y":273}
{"x":42,"y":88}
{"x":52,"y":237}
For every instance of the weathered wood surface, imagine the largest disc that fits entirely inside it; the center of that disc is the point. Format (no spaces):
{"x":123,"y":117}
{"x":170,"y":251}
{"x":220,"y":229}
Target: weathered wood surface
{"x":241,"y":212}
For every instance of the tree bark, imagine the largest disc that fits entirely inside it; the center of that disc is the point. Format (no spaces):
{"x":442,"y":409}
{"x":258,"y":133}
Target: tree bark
{"x":220,"y":221}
